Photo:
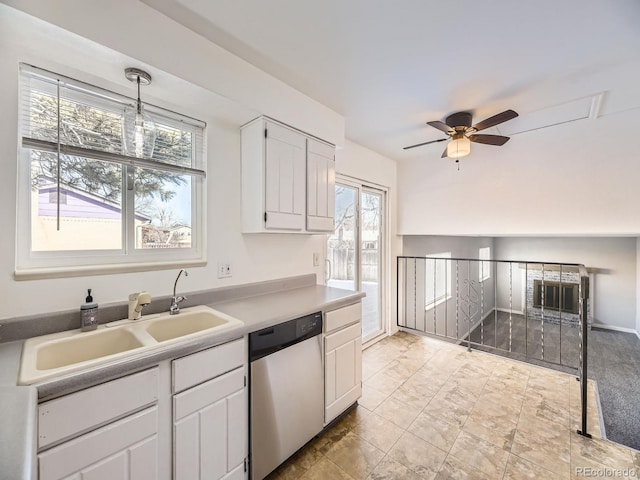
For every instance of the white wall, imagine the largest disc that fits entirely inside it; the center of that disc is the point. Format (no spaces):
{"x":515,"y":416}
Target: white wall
{"x":584,"y":184}
{"x":638,"y":286}
{"x":460,"y":247}
{"x":614,"y":283}
{"x":253,"y":257}
{"x":363,"y":164}
{"x":141,"y":32}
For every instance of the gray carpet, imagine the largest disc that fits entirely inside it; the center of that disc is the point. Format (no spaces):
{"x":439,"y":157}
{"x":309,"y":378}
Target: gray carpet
{"x":613,"y":362}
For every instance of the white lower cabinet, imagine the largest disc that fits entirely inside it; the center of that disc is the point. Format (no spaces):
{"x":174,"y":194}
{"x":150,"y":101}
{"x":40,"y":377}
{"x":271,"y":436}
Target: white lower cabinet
{"x":184,"y":419}
{"x":210,"y":425}
{"x":126,"y":449}
{"x":343,"y":360}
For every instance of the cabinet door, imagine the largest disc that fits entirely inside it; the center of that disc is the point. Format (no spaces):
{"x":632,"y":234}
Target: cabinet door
{"x":343,"y":370}
{"x":123,"y":450}
{"x":210,"y":429}
{"x":321,"y":181}
{"x":285,"y":178}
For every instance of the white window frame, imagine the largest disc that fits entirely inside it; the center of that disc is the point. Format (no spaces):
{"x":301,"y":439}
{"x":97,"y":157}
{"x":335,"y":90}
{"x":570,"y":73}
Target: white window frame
{"x":431,"y":302}
{"x":484,"y":265}
{"x":53,"y":264}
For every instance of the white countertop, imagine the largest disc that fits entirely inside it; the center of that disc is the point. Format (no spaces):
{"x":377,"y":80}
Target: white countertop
{"x":256,"y":312}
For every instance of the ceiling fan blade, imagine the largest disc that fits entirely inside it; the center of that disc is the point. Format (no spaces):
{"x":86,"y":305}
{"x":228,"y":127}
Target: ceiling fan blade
{"x":441,"y":126}
{"x":489,"y":139}
{"x":425,"y":143}
{"x":495,"y":120}
{"x":444,"y":154}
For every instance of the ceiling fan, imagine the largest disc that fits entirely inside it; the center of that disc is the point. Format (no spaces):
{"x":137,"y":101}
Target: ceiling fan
{"x":458,"y":127}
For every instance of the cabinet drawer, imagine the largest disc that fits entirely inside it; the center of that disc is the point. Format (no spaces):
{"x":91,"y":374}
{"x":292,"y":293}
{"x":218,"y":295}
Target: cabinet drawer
{"x":342,"y":317}
{"x":202,"y":366}
{"x":333,"y":341}
{"x":197,"y":398}
{"x":79,"y":412}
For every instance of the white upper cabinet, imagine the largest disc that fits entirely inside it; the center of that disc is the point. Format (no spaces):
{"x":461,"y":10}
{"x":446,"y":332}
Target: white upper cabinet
{"x":287,"y":180}
{"x":285,"y":172}
{"x":321,"y":181}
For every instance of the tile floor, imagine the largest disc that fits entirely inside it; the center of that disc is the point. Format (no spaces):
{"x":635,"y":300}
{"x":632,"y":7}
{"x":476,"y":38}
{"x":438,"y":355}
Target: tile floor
{"x":432,"y":410}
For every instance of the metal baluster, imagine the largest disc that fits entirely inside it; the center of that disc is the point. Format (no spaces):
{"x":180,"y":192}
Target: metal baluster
{"x":526,"y":309}
{"x":435,"y":262}
{"x":446,"y":290}
{"x":583,"y":293}
{"x":398,"y":308}
{"x":495,"y":306}
{"x":457,"y":298}
{"x":510,"y":301}
{"x":424,"y":309}
{"x":482,"y":303}
{"x":469,"y":305}
{"x":560,"y":311}
{"x":398,"y":259}
{"x":542,"y":317}
{"x":415,"y":293}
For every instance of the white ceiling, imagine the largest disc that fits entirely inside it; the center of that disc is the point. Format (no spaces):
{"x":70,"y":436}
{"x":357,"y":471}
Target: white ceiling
{"x":389,"y":67}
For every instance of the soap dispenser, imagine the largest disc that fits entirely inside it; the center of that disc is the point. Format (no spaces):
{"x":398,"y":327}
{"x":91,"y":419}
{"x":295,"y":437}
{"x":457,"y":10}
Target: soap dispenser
{"x":88,"y":314}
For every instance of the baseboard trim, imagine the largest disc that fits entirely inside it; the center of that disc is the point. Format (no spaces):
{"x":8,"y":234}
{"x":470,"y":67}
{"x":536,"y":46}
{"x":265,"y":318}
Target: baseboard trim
{"x":614,"y":328}
{"x":477,"y":323}
{"x":506,"y":310}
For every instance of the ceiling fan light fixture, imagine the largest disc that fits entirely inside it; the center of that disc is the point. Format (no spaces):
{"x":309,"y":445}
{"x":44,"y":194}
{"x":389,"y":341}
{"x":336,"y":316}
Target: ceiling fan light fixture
{"x":459,"y":147}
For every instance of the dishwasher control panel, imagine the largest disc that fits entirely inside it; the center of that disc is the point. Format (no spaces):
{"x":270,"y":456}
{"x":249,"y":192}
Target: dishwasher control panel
{"x":308,"y":324}
{"x":271,"y":339}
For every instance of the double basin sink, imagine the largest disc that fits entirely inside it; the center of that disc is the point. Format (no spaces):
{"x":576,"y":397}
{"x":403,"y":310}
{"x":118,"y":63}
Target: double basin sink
{"x":61,"y":353}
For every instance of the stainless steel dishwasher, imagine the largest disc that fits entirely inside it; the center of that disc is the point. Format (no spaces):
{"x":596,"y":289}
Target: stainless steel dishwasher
{"x":287,"y":393}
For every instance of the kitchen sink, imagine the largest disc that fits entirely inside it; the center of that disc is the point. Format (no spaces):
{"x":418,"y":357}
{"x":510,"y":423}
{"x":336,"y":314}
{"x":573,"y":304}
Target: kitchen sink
{"x":187,"y":322}
{"x":62,"y":353}
{"x":81,"y":348}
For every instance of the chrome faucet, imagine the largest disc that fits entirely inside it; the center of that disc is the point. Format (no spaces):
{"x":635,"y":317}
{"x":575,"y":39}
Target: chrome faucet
{"x":176,"y":301}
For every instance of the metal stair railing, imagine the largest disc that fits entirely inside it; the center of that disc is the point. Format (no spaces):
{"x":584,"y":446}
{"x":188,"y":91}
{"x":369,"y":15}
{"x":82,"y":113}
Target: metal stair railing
{"x":531,"y":310}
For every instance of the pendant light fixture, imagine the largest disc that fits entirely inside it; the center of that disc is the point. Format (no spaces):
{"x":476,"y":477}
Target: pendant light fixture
{"x":138,"y":129}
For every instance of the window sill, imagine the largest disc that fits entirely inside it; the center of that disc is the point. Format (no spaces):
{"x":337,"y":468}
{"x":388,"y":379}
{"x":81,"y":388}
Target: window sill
{"x":431,"y":306}
{"x":87,"y":270}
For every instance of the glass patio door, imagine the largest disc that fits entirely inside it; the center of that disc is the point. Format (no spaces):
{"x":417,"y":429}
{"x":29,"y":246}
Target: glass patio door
{"x":355,"y":250}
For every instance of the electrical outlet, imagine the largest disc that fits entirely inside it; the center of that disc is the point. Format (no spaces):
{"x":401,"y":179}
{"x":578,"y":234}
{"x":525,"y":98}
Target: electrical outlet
{"x":316,"y":259}
{"x":224,"y":270}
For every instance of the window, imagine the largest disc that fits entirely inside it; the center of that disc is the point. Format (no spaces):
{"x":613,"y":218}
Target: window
{"x":484,"y":266}
{"x":82,"y":201}
{"x":437,"y":279}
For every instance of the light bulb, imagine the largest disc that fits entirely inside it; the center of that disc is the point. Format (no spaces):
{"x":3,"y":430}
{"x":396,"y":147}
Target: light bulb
{"x":459,"y":147}
{"x":138,"y":133}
